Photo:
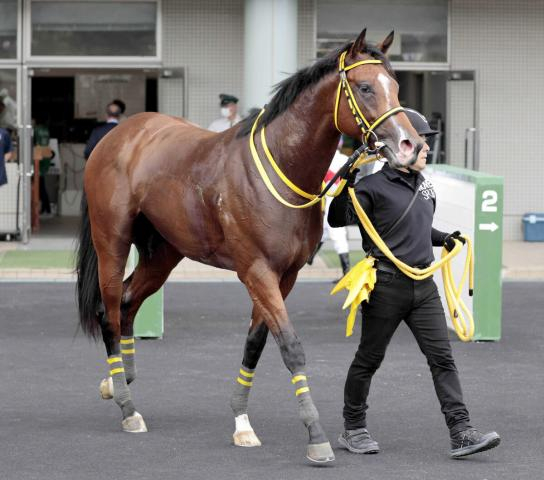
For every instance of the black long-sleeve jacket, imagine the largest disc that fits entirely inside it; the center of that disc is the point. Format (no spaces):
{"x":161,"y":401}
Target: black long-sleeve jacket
{"x":384,"y":196}
{"x":97,"y":134}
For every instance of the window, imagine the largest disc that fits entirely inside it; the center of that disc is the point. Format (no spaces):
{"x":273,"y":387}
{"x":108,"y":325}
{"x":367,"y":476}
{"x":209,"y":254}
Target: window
{"x":94,"y":28}
{"x":420,"y":26}
{"x":8,"y":29}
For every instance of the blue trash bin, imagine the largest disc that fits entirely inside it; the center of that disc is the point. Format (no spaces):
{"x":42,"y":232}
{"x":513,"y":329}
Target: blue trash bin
{"x":533,"y":227}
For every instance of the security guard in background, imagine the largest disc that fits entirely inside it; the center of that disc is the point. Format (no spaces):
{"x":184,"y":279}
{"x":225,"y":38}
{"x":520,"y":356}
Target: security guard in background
{"x":113,"y":112}
{"x":385,"y":197}
{"x":229,"y":113}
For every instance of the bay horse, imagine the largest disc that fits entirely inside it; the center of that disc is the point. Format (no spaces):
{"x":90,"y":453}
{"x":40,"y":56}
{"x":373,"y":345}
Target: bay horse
{"x":176,"y":190}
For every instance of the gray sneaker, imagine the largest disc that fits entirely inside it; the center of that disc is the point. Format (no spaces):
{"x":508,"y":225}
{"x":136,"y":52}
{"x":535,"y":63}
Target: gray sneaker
{"x":470,"y":441}
{"x":358,"y":441}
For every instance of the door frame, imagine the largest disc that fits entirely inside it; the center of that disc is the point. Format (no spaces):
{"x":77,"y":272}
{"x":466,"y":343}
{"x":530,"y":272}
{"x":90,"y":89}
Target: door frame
{"x":471,"y":131}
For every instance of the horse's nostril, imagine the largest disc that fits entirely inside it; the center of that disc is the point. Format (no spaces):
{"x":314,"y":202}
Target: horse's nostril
{"x":406,"y":147}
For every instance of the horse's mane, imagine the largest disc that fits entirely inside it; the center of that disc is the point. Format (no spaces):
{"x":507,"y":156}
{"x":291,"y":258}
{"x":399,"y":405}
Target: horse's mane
{"x":286,"y":91}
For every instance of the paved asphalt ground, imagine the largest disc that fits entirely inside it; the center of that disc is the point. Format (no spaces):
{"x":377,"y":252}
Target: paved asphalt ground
{"x":54,"y":426}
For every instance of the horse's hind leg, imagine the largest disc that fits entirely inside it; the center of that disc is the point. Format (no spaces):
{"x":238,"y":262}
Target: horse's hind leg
{"x":263,"y":287}
{"x":149,"y":275}
{"x":112,"y":252}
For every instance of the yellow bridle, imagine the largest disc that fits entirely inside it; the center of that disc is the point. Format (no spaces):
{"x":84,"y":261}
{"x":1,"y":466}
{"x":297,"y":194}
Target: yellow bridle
{"x":365,"y":126}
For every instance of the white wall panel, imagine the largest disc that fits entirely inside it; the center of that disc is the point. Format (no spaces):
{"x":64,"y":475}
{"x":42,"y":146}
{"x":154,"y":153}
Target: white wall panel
{"x":206,"y":36}
{"x":502,"y":40}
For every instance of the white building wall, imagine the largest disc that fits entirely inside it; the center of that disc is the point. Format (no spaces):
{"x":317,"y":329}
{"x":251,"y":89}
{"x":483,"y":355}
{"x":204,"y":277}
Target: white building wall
{"x":207,"y":37}
{"x":307,"y":32}
{"x":503,"y":40}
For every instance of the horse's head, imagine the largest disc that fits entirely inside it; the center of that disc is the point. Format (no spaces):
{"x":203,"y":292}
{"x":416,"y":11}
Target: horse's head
{"x":367,"y":104}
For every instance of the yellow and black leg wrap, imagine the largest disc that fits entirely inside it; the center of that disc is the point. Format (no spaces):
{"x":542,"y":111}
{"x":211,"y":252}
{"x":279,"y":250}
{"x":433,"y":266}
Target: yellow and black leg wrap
{"x":128,"y":352}
{"x":306,"y":409}
{"x":121,"y":393}
{"x":240,"y":395}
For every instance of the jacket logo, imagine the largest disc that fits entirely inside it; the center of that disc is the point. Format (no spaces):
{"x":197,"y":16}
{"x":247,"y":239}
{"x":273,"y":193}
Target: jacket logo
{"x":427,"y":190}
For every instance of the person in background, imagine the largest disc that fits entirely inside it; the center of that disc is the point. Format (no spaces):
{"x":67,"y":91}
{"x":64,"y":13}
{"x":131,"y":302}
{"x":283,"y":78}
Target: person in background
{"x":339,"y":235}
{"x":122,"y":106}
{"x":8,"y":111}
{"x":41,"y":139}
{"x":386,"y":196}
{"x":5,"y":154}
{"x":113,"y":113}
{"x":229,"y":113}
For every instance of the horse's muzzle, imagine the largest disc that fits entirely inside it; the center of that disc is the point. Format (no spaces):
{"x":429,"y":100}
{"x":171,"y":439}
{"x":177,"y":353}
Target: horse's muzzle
{"x":393,"y":160}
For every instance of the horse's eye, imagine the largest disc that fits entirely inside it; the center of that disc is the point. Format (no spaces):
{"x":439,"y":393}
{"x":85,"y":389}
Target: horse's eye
{"x":365,"y":89}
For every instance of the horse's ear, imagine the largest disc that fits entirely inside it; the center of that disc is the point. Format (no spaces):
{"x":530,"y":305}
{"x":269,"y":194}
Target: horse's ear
{"x":358,"y":45}
{"x":384,"y":46}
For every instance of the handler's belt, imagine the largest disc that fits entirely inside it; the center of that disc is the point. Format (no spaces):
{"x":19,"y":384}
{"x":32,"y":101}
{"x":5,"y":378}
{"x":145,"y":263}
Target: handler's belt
{"x":385,"y":266}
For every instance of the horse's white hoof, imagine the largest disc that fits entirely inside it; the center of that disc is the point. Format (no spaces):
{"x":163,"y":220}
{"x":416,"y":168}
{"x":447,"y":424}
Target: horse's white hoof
{"x":320,"y":453}
{"x":246,"y":439}
{"x":106,"y":388}
{"x":134,"y":424}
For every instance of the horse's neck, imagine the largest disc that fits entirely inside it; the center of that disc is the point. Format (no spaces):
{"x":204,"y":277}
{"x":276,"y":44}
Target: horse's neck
{"x":303,"y":139}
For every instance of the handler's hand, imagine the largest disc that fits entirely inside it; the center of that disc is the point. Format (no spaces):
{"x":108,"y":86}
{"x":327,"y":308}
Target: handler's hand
{"x":449,"y":241}
{"x":350,"y":179}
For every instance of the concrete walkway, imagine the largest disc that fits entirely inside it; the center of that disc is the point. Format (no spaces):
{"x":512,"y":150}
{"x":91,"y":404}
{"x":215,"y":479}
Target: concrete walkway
{"x":521,"y":260}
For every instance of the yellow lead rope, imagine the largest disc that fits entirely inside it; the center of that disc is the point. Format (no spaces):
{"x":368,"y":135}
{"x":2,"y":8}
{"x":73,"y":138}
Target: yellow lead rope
{"x":361,"y":279}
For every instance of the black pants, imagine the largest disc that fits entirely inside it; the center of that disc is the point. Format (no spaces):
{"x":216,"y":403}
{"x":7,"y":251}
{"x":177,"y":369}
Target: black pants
{"x":395,"y":298}
{"x":44,"y":197}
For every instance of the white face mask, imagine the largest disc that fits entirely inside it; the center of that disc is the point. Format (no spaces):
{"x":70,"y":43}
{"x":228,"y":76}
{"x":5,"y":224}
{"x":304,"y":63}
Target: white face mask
{"x":225,"y":112}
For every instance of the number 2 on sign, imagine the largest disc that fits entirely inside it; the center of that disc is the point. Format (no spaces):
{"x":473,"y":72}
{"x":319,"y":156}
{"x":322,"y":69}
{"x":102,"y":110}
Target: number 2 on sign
{"x":489,"y":203}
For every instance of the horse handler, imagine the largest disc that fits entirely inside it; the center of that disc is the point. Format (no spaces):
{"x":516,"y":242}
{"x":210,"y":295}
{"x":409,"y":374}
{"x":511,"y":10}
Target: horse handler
{"x":387,"y":196}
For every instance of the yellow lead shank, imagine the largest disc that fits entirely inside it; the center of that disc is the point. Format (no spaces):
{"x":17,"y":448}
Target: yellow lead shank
{"x":361,"y":279}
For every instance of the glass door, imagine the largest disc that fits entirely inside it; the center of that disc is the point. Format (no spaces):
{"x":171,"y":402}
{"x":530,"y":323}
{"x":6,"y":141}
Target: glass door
{"x":462,"y":132}
{"x":11,"y":183}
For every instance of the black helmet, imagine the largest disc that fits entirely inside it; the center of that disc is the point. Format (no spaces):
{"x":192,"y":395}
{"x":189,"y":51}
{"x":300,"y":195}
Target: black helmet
{"x":419,"y":122}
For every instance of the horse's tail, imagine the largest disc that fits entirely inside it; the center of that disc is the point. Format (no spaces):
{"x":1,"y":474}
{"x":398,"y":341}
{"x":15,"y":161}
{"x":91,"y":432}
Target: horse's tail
{"x":88,"y":290}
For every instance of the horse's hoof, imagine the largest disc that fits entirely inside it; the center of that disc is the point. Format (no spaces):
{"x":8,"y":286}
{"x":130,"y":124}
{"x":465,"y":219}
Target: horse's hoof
{"x":246,"y":439}
{"x":134,"y":424}
{"x":106,"y":388}
{"x":320,"y":453}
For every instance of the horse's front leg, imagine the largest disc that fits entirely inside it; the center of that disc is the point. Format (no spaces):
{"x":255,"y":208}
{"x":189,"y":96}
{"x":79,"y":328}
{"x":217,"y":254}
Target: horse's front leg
{"x":244,"y":436}
{"x":264,"y":287}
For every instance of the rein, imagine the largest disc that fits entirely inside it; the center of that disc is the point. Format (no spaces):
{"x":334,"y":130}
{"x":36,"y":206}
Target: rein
{"x":360,"y":280}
